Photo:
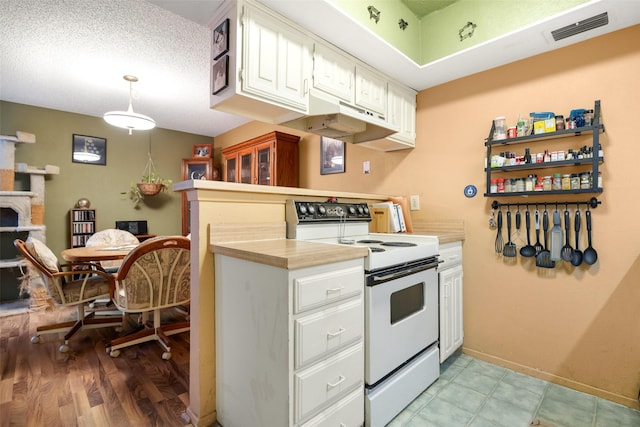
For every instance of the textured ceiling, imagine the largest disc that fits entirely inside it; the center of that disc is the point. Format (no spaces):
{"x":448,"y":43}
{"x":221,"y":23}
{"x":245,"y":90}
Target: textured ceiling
{"x":70,"y":55}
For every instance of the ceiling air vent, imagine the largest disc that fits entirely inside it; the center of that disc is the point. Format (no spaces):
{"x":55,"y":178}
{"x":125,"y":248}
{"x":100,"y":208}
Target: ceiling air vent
{"x":581,"y":27}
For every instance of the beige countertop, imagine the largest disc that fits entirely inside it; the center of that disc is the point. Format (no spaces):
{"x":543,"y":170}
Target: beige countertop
{"x":446,"y":231}
{"x":288,"y":253}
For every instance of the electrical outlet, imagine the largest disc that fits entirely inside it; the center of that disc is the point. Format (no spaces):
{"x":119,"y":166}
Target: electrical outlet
{"x":415,"y":203}
{"x":366,"y":167}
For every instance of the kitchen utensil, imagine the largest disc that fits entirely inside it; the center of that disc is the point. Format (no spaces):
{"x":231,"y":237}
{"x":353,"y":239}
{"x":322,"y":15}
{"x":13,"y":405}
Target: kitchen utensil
{"x":590,"y":254}
{"x":528,"y":250}
{"x":543,"y":258}
{"x":499,"y":242}
{"x":509,"y":249}
{"x":518,"y":222}
{"x":567,"y":250}
{"x":538,"y":245}
{"x":576,"y":256}
{"x":556,"y":237}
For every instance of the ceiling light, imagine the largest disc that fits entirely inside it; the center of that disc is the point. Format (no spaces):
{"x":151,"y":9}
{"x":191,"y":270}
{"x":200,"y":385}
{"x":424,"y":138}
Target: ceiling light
{"x":128,"y":119}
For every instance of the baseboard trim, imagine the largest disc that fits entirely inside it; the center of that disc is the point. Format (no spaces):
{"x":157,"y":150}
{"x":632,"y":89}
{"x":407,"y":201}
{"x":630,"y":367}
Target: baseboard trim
{"x":536,"y":373}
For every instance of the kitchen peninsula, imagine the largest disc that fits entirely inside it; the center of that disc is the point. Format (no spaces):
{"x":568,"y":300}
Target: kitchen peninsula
{"x":224,"y":212}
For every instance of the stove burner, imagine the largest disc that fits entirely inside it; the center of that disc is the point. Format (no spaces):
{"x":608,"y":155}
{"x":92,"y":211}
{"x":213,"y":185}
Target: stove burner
{"x":374,"y":249}
{"x":369,"y":241}
{"x":398,"y":244}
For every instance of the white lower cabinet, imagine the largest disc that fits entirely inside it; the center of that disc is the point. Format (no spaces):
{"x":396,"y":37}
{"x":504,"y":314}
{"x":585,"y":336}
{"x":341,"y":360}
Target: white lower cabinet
{"x":451,"y":319}
{"x":289,"y":344}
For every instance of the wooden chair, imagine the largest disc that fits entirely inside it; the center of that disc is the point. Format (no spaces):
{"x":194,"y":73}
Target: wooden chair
{"x":69,"y":285}
{"x":154,"y":276}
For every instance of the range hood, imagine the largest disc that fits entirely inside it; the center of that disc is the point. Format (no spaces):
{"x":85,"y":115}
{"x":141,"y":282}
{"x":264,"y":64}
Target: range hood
{"x":334,"y":118}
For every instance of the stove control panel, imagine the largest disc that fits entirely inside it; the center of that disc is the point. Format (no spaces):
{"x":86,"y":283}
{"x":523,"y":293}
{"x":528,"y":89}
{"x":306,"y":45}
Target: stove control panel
{"x":328,"y":211}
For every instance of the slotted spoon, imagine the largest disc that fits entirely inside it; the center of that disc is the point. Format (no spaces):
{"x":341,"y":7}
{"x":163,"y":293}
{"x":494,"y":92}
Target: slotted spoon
{"x":567,"y":250}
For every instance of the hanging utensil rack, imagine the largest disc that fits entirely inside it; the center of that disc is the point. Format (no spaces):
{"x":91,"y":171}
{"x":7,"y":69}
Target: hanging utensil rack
{"x":592,"y":203}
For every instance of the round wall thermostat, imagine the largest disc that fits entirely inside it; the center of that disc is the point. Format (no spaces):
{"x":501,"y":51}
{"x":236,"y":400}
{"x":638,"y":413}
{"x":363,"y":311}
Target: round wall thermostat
{"x":470,"y":190}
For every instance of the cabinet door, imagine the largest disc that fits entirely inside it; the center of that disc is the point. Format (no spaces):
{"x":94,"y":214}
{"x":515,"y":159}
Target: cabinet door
{"x":333,"y":73}
{"x":401,"y":113}
{"x":371,"y":90}
{"x":246,"y":166}
{"x":231,"y":169}
{"x":277,"y":60}
{"x":264,"y":164}
{"x":451,"y":326}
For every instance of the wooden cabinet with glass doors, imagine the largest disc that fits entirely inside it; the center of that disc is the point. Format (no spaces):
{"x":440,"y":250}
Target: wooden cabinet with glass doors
{"x":270,"y":159}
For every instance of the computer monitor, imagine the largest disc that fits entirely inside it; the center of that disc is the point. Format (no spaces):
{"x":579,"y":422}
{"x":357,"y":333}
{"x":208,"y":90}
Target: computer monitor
{"x":133,"y":227}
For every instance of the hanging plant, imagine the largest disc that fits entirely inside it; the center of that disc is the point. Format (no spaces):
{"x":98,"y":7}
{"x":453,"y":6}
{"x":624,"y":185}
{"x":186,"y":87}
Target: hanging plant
{"x":150,"y":184}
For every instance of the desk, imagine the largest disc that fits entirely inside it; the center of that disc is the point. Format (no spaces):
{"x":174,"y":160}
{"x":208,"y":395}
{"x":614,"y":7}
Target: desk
{"x":96,"y":253}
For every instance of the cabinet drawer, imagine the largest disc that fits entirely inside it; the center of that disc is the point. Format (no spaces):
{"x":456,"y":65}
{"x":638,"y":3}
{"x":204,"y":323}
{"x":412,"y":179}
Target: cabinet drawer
{"x":319,"y":289}
{"x":327,"y":331}
{"x":348,"y":412}
{"x":328,"y":380}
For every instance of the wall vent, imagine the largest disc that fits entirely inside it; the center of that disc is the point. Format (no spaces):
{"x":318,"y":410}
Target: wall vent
{"x":580,"y":27}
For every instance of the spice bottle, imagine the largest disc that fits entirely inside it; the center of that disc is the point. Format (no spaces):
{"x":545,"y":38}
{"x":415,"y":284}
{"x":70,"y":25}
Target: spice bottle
{"x":585,"y":178}
{"x":500,"y":185}
{"x":494,"y":186}
{"x":546,"y":184}
{"x":559,"y":122}
{"x":527,"y":155}
{"x":557,"y":182}
{"x":566,"y":181}
{"x":575,"y":181}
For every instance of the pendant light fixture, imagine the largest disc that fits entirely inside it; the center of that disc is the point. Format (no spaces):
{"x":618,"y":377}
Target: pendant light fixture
{"x":128,"y":119}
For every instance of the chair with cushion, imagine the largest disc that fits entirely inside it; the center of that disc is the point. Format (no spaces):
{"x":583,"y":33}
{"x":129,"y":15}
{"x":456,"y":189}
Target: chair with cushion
{"x":153,"y":276}
{"x":112,"y":237}
{"x":69,"y":285}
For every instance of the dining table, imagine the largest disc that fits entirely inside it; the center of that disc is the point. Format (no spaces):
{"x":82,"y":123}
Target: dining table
{"x":96,"y":253}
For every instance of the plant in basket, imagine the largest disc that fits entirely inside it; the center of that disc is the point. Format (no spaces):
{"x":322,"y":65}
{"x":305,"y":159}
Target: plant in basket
{"x":150,"y":184}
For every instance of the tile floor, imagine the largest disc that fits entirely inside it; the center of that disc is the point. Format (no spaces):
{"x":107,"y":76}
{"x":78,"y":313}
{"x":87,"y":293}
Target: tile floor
{"x":474,"y":393}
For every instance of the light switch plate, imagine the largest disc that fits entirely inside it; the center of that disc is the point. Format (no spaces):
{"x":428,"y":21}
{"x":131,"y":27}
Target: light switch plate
{"x":415,"y":203}
{"x":366,"y":167}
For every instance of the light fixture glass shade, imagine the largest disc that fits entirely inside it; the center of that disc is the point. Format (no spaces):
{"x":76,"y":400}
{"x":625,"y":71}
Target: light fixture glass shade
{"x":129,"y":119}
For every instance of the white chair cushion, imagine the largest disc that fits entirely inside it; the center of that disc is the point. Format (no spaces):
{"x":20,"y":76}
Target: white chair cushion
{"x":43,"y":254}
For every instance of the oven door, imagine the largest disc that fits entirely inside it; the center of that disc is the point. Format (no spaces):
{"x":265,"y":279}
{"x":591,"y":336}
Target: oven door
{"x":401,"y":310}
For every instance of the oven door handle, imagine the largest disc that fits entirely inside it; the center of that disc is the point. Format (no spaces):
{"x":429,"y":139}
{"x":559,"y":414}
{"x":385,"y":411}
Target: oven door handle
{"x":376,"y":279}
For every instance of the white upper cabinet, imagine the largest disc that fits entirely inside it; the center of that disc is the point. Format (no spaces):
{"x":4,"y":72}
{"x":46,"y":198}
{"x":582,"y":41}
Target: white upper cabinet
{"x":371,"y":90}
{"x":401,"y":112}
{"x":333,"y":72}
{"x":277,"y":60}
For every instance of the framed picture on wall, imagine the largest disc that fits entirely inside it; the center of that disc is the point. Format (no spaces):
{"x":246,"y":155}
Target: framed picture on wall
{"x":202,"y":150}
{"x":332,"y":155}
{"x":89,"y":149}
{"x":196,"y":168}
{"x":221,"y":39}
{"x":220,"y":74}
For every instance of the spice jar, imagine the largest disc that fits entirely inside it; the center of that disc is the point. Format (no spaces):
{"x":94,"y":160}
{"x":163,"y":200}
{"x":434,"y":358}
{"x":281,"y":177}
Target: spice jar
{"x":494,"y":186}
{"x":575,"y":181}
{"x":546,"y":184}
{"x":588,"y":117}
{"x":500,"y":130}
{"x":539,"y":184}
{"x":557,"y":182}
{"x":559,"y":123}
{"x":585,"y":179}
{"x":566,"y":181}
{"x":528,"y":184}
{"x":519,"y":185}
{"x":500,"y":185}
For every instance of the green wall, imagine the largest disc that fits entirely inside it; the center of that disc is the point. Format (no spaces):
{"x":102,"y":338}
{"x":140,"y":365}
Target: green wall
{"x":102,"y":185}
{"x":435,"y":35}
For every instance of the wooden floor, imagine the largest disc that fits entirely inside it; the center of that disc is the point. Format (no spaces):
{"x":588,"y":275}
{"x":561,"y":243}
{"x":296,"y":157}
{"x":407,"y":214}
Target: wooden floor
{"x":86,"y":387}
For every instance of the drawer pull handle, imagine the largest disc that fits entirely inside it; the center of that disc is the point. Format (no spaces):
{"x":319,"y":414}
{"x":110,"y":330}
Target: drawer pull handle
{"x":335,"y":334}
{"x":337,"y":383}
{"x":332,"y":290}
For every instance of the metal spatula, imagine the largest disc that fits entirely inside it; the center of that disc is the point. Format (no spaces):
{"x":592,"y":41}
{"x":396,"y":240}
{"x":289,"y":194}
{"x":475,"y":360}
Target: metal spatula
{"x":543,"y":259}
{"x":510,"y":249}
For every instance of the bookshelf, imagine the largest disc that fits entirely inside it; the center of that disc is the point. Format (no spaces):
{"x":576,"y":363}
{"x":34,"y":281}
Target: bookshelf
{"x":82,"y":224}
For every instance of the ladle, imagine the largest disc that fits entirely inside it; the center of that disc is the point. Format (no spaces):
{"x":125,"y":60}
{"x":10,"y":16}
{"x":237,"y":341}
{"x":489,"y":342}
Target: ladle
{"x":527,"y":250}
{"x":576,"y":256}
{"x":590,"y":254}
